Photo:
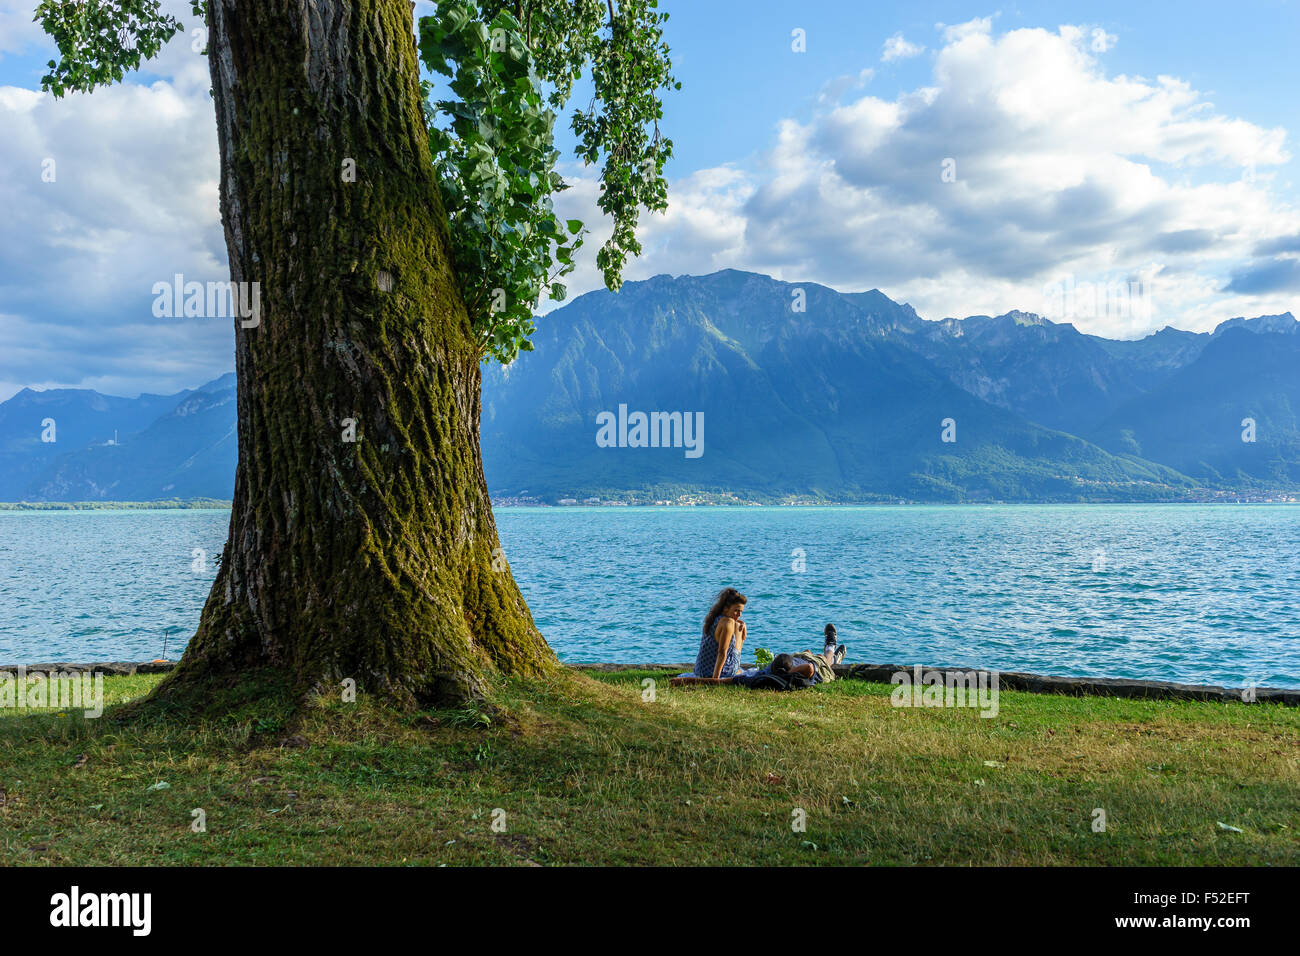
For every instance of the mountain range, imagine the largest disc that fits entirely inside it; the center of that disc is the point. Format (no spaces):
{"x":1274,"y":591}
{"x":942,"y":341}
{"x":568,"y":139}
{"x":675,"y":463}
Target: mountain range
{"x":116,"y":449}
{"x":802,"y":393}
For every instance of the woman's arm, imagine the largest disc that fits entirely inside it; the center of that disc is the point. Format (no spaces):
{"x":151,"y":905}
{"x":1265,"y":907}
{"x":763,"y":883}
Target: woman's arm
{"x":723,"y":635}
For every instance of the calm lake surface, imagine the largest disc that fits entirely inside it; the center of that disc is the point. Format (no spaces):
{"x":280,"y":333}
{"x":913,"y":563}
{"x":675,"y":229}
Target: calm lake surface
{"x":1204,"y":594}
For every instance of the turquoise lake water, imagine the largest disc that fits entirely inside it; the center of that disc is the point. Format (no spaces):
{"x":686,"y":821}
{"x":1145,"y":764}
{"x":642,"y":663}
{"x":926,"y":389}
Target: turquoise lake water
{"x":1205,"y":594}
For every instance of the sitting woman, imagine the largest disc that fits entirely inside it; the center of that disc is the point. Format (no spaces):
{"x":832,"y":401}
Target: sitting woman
{"x":723,"y":637}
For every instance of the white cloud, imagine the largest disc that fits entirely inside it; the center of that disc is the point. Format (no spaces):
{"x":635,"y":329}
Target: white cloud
{"x":1062,"y":173}
{"x":897,"y":48}
{"x":1101,"y":41}
{"x":980,"y":26}
{"x":702,"y":231}
{"x":105,"y":194}
{"x":832,"y":92}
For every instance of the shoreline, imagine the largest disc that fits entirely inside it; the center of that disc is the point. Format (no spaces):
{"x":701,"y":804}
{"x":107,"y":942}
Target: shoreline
{"x":1030,"y":683}
{"x":1289,"y":498}
{"x":1120,"y":687}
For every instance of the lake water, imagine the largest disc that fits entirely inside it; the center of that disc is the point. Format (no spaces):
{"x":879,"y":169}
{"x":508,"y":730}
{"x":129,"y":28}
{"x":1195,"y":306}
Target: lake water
{"x":1204,"y":594}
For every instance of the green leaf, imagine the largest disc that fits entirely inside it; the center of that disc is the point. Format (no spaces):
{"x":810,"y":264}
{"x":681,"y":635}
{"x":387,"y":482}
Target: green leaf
{"x":492,"y":144}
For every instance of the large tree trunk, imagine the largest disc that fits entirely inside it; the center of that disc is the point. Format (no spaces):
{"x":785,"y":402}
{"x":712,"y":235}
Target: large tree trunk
{"x":376,"y":559}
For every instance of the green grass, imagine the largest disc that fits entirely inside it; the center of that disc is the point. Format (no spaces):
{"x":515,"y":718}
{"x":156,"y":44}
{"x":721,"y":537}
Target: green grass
{"x":588,"y":772}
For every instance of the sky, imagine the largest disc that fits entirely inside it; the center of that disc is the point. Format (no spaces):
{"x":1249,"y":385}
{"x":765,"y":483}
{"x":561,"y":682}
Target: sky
{"x":965,"y":159}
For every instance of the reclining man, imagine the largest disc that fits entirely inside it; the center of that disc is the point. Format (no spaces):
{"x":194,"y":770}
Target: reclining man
{"x":801,"y":669}
{"x":803,"y":666}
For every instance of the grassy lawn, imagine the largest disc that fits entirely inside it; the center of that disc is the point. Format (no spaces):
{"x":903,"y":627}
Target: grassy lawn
{"x":587,"y":772}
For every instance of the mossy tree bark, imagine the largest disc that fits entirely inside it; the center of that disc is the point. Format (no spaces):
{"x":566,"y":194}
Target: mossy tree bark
{"x":375,"y":559}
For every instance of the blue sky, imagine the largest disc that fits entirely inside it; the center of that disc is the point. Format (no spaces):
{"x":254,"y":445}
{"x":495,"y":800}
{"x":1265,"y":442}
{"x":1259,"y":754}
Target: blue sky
{"x":1241,"y":55}
{"x":966,"y":159}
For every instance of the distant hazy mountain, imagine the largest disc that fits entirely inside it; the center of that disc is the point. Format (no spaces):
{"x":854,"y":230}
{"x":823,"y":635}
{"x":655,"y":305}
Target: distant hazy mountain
{"x":176,"y":446}
{"x":801,"y":390}
{"x":1054,"y":374}
{"x":1196,"y":419}
{"x":81,"y":418}
{"x":1044,"y":370}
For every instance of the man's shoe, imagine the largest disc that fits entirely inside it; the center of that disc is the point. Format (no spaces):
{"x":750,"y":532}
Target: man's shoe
{"x":829,"y":631}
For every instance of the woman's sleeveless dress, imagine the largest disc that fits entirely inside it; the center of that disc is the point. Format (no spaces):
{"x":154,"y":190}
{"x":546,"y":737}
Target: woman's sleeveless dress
{"x":708,"y":655}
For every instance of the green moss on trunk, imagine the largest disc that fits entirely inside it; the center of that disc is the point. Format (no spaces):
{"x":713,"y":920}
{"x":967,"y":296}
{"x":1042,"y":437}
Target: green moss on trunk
{"x":370,"y":559}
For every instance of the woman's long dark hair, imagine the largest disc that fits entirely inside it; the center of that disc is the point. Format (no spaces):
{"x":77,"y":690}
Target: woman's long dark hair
{"x":726,"y":597}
